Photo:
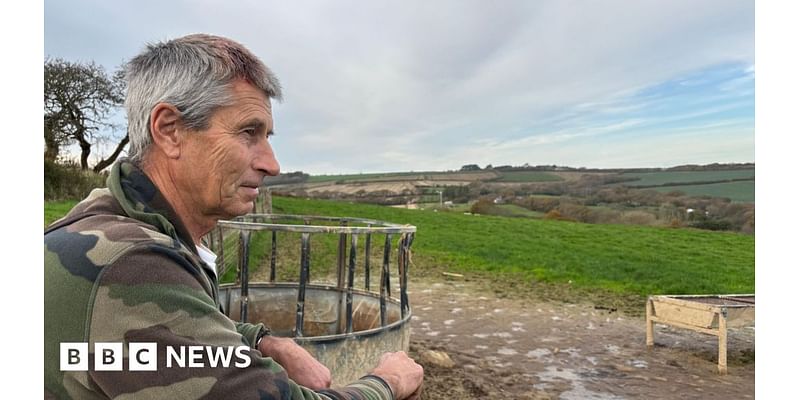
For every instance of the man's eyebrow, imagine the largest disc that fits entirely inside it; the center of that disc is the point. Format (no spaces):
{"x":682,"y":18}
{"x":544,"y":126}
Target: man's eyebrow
{"x":252,"y":123}
{"x":255,"y":123}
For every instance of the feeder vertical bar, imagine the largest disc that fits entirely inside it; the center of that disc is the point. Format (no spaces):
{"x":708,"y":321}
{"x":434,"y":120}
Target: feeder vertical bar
{"x":367,"y":246}
{"x":301,"y":291}
{"x":401,"y":267}
{"x":341,"y":256}
{"x":212,"y":240}
{"x":244,"y":255}
{"x":350,"y":277}
{"x":387,"y":249}
{"x":273,"y":256}
{"x":308,"y":273}
{"x":221,"y":257}
{"x":404,"y":306}
{"x":268,"y":200}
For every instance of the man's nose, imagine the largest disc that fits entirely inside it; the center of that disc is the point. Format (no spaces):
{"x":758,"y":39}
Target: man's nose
{"x":265,"y":160}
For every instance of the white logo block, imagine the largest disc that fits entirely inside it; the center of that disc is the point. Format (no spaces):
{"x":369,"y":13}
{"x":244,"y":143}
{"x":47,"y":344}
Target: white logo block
{"x":107,"y":356}
{"x":142,"y":356}
{"x":74,"y":356}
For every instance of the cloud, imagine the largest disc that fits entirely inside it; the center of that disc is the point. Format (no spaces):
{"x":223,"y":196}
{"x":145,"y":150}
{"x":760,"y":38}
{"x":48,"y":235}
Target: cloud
{"x":413,"y":85}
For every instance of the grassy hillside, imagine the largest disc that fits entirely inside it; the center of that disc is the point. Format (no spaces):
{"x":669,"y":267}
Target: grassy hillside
{"x":54,"y":210}
{"x":360,"y":177}
{"x":619,"y":259}
{"x":737,"y":185}
{"x":513,"y":210}
{"x":744,"y":191}
{"x":661,"y":178}
{"x":528,"y":176}
{"x":623,"y":259}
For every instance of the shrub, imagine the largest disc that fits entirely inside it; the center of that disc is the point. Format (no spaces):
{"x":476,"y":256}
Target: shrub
{"x":67,"y":181}
{"x":540,"y":204}
{"x":676,"y":223}
{"x":711,"y":224}
{"x":482,"y":206}
{"x":555,"y":215}
{"x":604,"y":216}
{"x":638,"y":218}
{"x":575,"y":212}
{"x":749,"y":227}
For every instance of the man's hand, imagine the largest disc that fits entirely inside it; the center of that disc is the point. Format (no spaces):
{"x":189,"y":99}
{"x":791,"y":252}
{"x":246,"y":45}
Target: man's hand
{"x":402,"y":373}
{"x":298,"y":363}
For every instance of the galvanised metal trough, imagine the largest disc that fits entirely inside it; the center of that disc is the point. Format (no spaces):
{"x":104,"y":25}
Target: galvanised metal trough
{"x":348,"y":325}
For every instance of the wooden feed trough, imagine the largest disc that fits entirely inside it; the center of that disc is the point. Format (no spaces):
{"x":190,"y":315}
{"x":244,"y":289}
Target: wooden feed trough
{"x":711,"y":314}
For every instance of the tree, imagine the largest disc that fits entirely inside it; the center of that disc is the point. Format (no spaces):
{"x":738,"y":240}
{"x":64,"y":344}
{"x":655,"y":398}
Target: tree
{"x":78,"y":99}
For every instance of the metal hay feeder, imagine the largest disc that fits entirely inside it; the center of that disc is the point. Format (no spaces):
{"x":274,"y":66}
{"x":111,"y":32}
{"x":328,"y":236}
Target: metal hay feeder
{"x":345,"y":327}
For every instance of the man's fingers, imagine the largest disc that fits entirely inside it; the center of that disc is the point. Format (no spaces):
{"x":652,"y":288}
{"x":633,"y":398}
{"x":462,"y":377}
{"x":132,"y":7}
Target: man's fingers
{"x":401,"y":372}
{"x":417,"y":393}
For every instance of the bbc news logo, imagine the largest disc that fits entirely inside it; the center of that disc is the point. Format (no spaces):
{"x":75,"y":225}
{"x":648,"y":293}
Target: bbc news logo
{"x":108,"y":356}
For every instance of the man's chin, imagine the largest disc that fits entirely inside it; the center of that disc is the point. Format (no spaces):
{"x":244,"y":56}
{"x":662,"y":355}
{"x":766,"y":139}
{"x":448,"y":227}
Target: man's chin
{"x":237,"y":210}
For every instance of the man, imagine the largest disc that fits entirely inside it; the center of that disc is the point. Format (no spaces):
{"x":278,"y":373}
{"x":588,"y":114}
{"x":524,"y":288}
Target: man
{"x":126,"y":265}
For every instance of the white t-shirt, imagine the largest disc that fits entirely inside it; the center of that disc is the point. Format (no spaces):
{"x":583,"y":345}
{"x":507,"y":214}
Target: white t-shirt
{"x":208,"y":257}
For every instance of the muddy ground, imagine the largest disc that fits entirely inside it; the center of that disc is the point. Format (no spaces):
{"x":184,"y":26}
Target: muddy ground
{"x":518,"y":347}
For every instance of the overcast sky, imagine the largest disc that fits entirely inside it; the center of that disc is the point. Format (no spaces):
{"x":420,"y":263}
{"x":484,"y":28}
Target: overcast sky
{"x":374,"y":86}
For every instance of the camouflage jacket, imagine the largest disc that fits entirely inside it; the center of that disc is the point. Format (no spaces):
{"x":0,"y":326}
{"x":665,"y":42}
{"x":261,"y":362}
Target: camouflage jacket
{"x":120,"y":267}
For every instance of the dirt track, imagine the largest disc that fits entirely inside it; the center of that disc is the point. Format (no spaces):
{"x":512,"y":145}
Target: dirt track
{"x":506,"y":348}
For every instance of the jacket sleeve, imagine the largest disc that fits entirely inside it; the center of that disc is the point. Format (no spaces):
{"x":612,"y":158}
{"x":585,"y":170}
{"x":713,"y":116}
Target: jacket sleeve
{"x":250,"y":332}
{"x":152,"y":294}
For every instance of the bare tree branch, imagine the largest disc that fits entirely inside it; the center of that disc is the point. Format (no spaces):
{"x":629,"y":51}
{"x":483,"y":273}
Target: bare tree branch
{"x":78,"y":100}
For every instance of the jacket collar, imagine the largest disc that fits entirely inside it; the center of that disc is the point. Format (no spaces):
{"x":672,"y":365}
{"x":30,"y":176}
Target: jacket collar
{"x":140,"y":199}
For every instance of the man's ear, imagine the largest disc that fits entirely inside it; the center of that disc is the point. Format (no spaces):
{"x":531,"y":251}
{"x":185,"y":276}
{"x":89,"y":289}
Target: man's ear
{"x":165,"y":128}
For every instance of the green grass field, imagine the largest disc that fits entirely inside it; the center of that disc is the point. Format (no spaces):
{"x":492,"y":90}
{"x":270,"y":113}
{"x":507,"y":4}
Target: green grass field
{"x":626,"y":260}
{"x":743,"y":191}
{"x":54,"y":210}
{"x":661,"y":178}
{"x":528,"y":176}
{"x":514,"y":210}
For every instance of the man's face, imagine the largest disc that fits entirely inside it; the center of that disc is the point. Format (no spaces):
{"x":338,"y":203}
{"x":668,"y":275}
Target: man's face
{"x":224,"y":164}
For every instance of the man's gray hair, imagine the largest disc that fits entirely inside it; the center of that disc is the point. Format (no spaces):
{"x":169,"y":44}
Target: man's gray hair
{"x":195,"y":74}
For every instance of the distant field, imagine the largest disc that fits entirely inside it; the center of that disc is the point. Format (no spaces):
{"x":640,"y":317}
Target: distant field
{"x":459,"y":207}
{"x":744,"y":191}
{"x":410,"y":176}
{"x":358,"y":177}
{"x":661,"y":178}
{"x":528,"y":176}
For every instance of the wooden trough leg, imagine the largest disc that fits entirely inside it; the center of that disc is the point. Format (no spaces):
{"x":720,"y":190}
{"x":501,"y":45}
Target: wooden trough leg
{"x":723,"y":343}
{"x":649,"y":312}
